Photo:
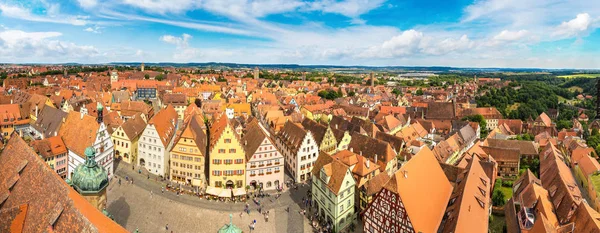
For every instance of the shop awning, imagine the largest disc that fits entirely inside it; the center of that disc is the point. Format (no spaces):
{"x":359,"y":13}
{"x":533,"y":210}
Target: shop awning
{"x":213,"y":191}
{"x":239,"y":192}
{"x":225,"y":193}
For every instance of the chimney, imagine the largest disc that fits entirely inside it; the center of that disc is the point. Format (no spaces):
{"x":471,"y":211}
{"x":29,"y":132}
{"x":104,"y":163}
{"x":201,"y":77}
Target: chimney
{"x":375,"y":158}
{"x":36,"y":111}
{"x":405,"y":174}
{"x":81,"y":115}
{"x":367,"y":163}
{"x":352,"y":149}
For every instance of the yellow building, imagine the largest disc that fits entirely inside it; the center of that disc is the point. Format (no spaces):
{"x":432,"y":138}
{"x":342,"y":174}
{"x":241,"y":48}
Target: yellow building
{"x":11,"y":119}
{"x":237,"y":110}
{"x":125,"y":139}
{"x":227,"y":162}
{"x":188,"y":155}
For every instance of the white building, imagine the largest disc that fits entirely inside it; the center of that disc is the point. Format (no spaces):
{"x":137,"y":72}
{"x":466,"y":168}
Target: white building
{"x":80,"y":131}
{"x":264,"y":163}
{"x":299,"y":149}
{"x":156,"y":142}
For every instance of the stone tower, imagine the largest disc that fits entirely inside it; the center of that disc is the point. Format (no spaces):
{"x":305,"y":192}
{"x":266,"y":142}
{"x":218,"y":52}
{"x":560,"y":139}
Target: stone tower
{"x":372,"y":79}
{"x":598,"y":99}
{"x":91,"y":180}
{"x":142,"y":67}
{"x":256,"y":73}
{"x":114,"y":77}
{"x":100,"y":108}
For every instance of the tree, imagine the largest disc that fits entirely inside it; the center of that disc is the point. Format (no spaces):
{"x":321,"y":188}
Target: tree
{"x":146,"y":76}
{"x":479,"y":119}
{"x":159,"y":77}
{"x":498,"y":198}
{"x":397,"y":92}
{"x":419,"y":92}
{"x":351,"y":94}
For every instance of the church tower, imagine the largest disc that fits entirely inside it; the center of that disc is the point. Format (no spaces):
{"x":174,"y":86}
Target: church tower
{"x":91,"y":180}
{"x":142,"y":67}
{"x":256,"y":73}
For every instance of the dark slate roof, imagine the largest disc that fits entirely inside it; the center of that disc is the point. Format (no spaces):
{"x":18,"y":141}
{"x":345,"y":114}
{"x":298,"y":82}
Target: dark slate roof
{"x":440,"y":110}
{"x":49,"y":121}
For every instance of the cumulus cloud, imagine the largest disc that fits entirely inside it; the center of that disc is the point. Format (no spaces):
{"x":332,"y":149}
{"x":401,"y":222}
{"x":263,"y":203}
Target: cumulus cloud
{"x":95,"y":29}
{"x":21,"y":46}
{"x":574,"y":27}
{"x":413,"y":42}
{"x":183,"y":51}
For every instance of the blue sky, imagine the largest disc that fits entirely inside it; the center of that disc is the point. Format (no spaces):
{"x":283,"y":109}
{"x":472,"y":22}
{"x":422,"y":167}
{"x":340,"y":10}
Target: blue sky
{"x":461,"y":33}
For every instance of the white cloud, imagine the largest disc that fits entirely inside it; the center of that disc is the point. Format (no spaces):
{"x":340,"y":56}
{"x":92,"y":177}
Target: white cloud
{"x":87,"y":4}
{"x":575,"y":27}
{"x":21,"y":46}
{"x":17,"y":12}
{"x":95,"y":29}
{"x":183,"y":51}
{"x":507,"y":35}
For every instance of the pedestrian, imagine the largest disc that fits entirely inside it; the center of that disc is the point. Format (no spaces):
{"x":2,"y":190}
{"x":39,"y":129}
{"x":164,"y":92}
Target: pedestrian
{"x":162,"y":189}
{"x":241,"y":213}
{"x":119,"y":181}
{"x":151,"y":196}
{"x":167,"y":227}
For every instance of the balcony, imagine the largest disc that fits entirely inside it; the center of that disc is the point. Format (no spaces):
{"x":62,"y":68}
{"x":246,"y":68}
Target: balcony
{"x":269,"y":164}
{"x":252,"y":166}
{"x":261,"y":165}
{"x":269,"y":173}
{"x":261,"y":174}
{"x":277,"y":171}
{"x":277,"y":163}
{"x":252,"y":175}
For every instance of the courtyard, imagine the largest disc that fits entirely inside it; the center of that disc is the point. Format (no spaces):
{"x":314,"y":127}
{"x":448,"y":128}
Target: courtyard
{"x":143,"y":206}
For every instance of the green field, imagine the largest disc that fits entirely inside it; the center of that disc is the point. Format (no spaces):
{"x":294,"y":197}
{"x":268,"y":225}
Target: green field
{"x":506,"y":190}
{"x":580,"y":76}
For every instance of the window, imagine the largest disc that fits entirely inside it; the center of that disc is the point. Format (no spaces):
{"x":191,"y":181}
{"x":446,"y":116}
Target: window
{"x":227,"y":140}
{"x":221,"y":150}
{"x":231,"y":150}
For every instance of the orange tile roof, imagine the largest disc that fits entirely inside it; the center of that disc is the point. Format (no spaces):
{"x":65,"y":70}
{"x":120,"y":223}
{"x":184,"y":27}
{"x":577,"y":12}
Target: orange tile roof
{"x":79,"y":131}
{"x":41,"y":199}
{"x":424,"y":205}
{"x":164,"y":122}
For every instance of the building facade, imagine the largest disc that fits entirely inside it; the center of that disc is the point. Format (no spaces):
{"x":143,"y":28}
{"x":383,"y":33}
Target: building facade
{"x":333,"y":192}
{"x":125,"y":138}
{"x":80,"y":131}
{"x":156,"y":142}
{"x":227,"y":162}
{"x":188,"y":155}
{"x":299,"y":149}
{"x":264,"y":163}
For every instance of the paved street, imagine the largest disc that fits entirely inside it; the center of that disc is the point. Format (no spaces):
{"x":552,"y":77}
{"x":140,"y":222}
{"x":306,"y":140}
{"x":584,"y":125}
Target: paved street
{"x":134,"y":207}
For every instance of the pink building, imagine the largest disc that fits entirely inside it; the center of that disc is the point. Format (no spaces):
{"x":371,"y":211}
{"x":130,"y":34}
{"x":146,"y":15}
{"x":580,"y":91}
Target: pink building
{"x":54,"y":153}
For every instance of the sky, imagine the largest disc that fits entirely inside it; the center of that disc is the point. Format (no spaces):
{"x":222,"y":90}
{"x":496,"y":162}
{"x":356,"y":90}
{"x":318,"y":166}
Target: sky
{"x":458,"y":33}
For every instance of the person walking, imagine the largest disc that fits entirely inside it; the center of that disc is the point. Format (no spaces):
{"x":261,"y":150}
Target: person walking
{"x":151,"y":196}
{"x":167,"y":226}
